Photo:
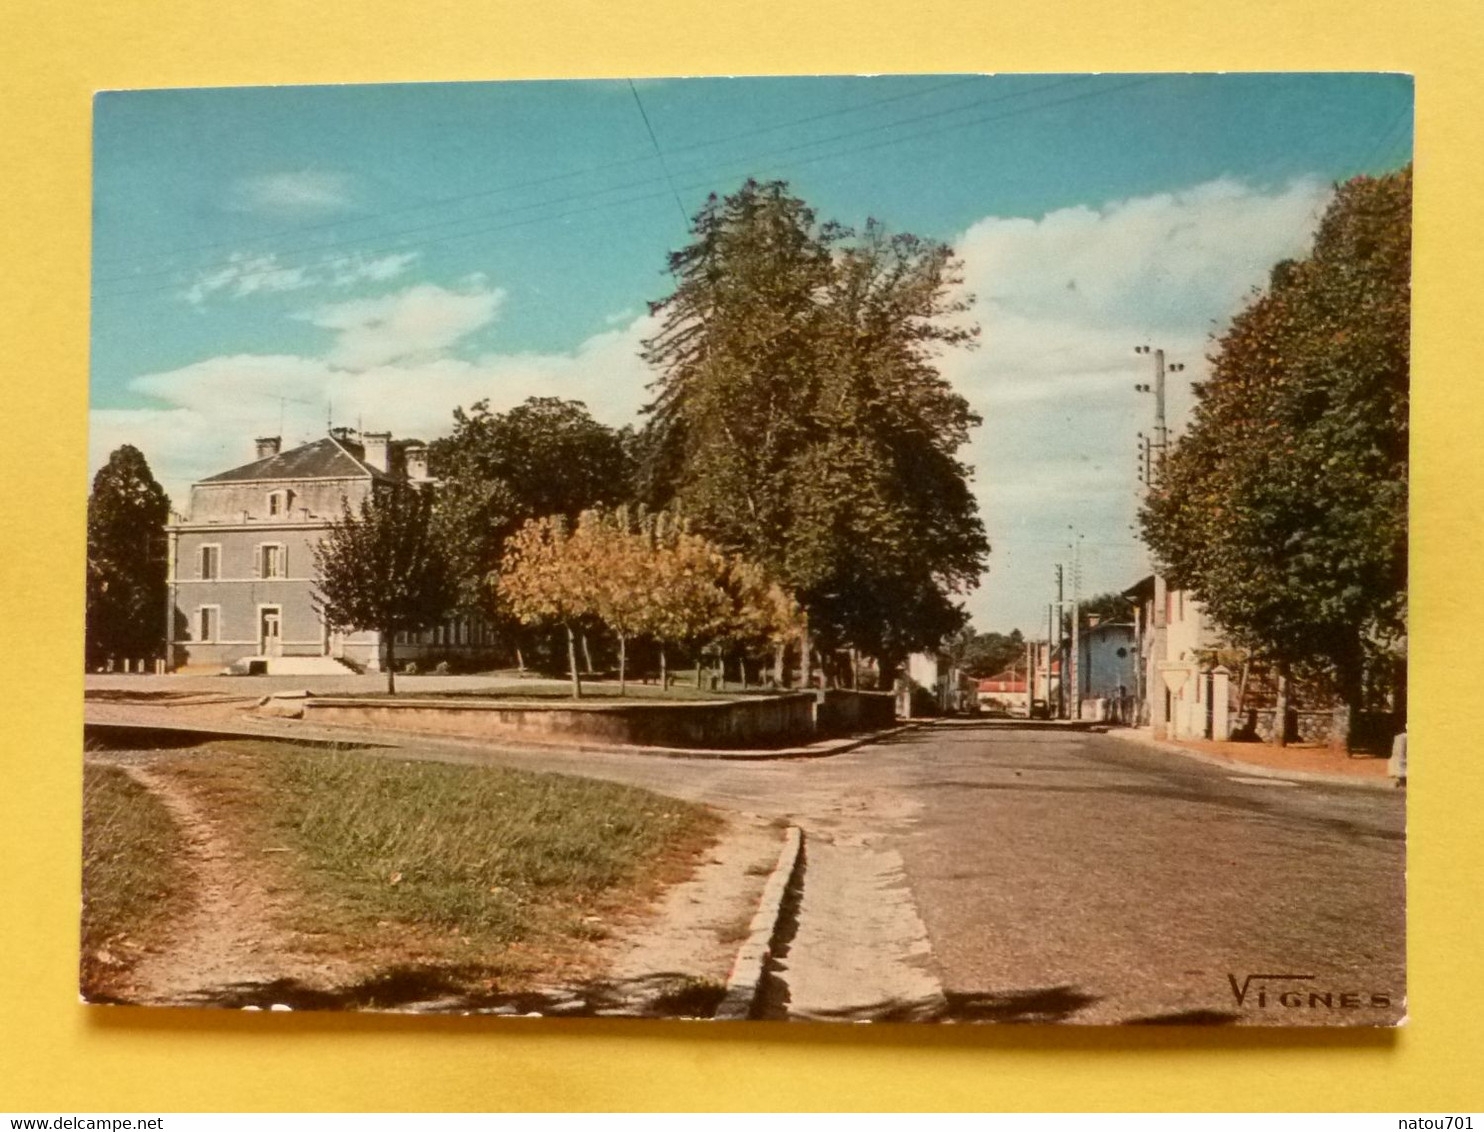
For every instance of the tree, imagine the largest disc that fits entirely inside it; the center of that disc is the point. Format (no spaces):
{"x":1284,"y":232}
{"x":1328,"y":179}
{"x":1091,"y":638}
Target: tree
{"x":127,"y":580}
{"x":1109,"y":608}
{"x":799,"y":418}
{"x":983,"y":655}
{"x":381,"y":567}
{"x":1284,"y":507}
{"x":629,"y":590}
{"x":546,"y":575}
{"x":546,"y":456}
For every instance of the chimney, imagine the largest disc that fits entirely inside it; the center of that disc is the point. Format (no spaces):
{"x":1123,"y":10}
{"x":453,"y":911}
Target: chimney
{"x":268,"y":446}
{"x":378,"y":449}
{"x":416,"y":456}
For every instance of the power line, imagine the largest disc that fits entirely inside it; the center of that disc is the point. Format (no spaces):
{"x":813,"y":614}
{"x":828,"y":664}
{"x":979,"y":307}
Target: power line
{"x":741,"y":163}
{"x":665,"y":169}
{"x":585,"y":171}
{"x":587,"y":194}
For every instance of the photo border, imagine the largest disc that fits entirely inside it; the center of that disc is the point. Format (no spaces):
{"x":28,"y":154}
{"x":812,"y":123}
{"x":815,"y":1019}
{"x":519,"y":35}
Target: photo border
{"x":116,"y":1059}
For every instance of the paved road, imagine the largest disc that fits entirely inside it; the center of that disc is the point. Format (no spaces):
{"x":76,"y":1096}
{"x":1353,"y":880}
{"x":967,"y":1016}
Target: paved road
{"x":1080,"y":878}
{"x":978,"y":872}
{"x":990,"y":873}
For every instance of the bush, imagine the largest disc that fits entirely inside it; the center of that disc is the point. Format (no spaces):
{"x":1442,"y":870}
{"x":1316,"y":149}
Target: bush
{"x":442,"y":668}
{"x":410,"y":668}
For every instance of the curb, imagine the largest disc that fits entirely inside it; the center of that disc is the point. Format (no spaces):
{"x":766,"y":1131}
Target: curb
{"x":746,"y":978}
{"x":1257,"y":770}
{"x":328,"y":734}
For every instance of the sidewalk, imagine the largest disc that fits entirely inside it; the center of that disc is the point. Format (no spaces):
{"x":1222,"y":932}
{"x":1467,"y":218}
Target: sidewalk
{"x":1307,"y":763}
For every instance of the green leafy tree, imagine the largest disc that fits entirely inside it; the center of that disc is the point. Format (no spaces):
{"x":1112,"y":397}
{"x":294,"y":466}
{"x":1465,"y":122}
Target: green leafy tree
{"x":546,"y":456}
{"x":1284,"y":507}
{"x":982,"y":655}
{"x":799,"y":417}
{"x":1108,"y":608}
{"x":381,"y":567}
{"x":127,"y":572}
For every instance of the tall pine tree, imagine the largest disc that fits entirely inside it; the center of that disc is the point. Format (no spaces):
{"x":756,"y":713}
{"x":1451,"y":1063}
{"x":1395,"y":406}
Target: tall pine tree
{"x":799,"y":416}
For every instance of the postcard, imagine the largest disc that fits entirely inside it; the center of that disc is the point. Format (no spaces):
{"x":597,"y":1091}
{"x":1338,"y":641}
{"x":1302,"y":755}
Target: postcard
{"x":920,"y":548}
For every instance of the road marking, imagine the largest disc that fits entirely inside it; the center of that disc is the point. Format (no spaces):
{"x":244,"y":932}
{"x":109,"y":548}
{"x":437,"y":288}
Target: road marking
{"x":1263,"y":781}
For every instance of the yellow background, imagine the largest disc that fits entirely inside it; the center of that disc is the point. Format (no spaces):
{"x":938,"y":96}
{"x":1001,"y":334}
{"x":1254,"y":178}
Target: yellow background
{"x":59,"y":1056}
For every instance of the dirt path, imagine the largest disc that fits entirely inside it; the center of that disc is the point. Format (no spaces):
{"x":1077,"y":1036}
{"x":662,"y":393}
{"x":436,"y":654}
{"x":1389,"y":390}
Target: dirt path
{"x":228,"y":937}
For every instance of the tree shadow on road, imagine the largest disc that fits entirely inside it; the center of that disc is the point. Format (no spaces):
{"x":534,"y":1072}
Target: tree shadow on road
{"x":453,"y":989}
{"x":1033,"y":1005}
{"x":1186,"y":1018}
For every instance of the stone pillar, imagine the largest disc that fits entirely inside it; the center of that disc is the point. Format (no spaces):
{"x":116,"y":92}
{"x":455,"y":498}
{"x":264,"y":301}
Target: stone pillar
{"x":1220,"y":703}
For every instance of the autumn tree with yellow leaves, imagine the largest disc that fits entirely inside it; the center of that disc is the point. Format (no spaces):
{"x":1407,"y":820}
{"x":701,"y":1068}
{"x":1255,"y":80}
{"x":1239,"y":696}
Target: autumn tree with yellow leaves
{"x":641,"y":575}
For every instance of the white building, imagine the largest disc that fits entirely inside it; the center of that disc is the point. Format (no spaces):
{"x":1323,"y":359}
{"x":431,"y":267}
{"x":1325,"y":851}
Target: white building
{"x":1183,"y":695}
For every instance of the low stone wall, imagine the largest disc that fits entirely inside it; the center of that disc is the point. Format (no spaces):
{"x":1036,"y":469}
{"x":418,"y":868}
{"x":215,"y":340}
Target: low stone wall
{"x":751,"y":722}
{"x":1368,"y":730}
{"x":841,"y":712}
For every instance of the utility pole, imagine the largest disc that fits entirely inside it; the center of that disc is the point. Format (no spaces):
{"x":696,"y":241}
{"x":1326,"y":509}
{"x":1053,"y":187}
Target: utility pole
{"x":1076,"y":656}
{"x":1061,"y":685}
{"x":1051,"y":611}
{"x":1030,"y":676}
{"x":1154,"y":448}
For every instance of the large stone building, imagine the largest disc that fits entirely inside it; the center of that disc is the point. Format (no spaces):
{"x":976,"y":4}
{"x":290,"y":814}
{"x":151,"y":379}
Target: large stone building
{"x":242,"y":560}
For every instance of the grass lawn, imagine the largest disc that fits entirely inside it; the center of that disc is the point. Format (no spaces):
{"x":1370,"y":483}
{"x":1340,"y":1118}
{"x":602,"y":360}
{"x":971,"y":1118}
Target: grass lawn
{"x":499,"y":855}
{"x":132,"y":876}
{"x":502,"y":876}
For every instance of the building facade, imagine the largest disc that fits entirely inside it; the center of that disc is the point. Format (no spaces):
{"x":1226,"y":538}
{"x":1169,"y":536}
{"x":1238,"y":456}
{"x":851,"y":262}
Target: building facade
{"x":241,"y":560}
{"x":1107,"y":670}
{"x":1183,"y":694}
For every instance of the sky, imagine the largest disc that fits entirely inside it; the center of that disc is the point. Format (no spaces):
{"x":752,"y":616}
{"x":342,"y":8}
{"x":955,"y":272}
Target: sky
{"x":268,"y":260}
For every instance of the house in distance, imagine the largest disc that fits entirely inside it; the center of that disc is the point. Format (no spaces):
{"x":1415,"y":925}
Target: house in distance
{"x":241,"y":561}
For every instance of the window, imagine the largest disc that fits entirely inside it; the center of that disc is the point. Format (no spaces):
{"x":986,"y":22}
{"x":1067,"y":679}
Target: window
{"x":278,"y":502}
{"x":272,"y":560}
{"x":209,"y":565}
{"x":207,"y":618}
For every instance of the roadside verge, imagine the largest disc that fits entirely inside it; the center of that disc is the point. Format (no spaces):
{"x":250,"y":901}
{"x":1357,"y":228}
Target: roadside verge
{"x":1257,"y":770}
{"x":745,"y":982}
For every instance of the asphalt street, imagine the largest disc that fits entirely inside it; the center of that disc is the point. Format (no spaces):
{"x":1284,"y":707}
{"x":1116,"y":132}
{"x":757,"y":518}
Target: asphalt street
{"x":1075,"y":877}
{"x":973,"y":871}
{"x":1067,"y":877}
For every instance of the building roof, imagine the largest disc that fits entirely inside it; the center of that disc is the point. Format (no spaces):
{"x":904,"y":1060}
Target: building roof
{"x":1142,"y":590}
{"x":1004,"y":682}
{"x":1105,"y":626}
{"x":327,"y":458}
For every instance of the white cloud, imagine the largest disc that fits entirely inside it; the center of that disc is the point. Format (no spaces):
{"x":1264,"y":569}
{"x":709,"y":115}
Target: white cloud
{"x":1062,"y":301}
{"x":349,"y":270}
{"x":248,"y":273}
{"x":211,"y":410}
{"x":294,"y":193}
{"x":418,"y":323}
